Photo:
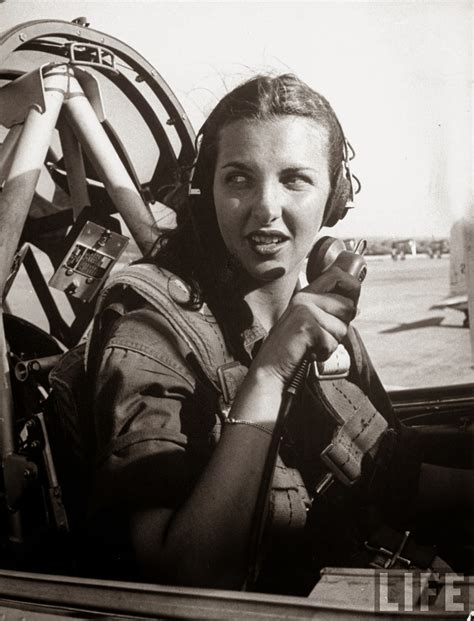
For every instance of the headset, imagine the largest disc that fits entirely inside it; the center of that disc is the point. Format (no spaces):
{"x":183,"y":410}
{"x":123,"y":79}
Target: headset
{"x":341,"y":198}
{"x":343,"y":192}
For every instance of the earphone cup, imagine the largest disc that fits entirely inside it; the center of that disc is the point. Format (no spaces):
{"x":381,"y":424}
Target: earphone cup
{"x":336,"y":205}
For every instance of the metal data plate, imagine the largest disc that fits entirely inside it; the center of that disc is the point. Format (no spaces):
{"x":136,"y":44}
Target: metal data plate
{"x":89,"y":261}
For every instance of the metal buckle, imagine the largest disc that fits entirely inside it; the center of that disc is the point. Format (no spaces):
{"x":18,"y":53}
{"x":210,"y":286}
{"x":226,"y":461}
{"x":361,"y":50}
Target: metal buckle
{"x":337,"y":366}
{"x":386,"y":559}
{"x":334,"y":468}
{"x":324,"y":484}
{"x":328,"y":376}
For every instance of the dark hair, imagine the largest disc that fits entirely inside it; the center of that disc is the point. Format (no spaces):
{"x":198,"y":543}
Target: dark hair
{"x":195,"y":249}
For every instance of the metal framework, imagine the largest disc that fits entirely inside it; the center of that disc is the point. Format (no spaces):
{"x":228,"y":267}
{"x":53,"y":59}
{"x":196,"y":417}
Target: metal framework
{"x":64,"y":94}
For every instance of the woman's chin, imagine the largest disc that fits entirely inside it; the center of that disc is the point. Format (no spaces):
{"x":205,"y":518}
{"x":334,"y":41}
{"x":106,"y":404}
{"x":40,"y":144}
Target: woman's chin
{"x":266,"y":273}
{"x":274,"y":273}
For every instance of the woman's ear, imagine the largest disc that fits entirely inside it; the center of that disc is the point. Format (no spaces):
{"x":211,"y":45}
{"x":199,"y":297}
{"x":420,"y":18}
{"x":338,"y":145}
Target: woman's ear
{"x":339,"y":197}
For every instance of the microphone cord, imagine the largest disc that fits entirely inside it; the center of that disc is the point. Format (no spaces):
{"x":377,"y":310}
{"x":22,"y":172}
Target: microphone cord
{"x":261,"y":503}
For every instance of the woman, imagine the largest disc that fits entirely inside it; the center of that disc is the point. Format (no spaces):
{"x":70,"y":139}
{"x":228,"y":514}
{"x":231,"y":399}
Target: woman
{"x":177,"y":479}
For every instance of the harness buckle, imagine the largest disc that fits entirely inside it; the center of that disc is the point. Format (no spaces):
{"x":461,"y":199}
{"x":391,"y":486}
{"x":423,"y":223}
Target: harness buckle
{"x":337,"y":366}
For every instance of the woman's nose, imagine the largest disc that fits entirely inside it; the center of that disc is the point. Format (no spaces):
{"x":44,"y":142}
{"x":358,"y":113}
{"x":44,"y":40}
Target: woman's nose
{"x":268,"y":202}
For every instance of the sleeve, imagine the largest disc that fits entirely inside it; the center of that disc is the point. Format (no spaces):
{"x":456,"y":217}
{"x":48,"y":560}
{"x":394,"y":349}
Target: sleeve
{"x":154,"y":418}
{"x":395,"y":474}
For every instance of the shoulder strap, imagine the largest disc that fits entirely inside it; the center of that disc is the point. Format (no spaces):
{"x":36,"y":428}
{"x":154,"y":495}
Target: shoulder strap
{"x":168,"y":295}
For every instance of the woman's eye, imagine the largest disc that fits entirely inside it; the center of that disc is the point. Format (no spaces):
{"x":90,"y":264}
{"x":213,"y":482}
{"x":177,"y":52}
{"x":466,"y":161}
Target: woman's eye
{"x":296,"y":182}
{"x":237,"y":180}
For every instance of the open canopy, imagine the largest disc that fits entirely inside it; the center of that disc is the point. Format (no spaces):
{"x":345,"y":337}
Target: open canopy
{"x":140,"y":116}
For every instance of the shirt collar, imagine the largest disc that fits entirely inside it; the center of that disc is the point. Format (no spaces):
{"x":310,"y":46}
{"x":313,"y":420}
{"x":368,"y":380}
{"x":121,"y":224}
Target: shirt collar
{"x":252,"y":335}
{"x":250,"y":329}
{"x":246,"y":329}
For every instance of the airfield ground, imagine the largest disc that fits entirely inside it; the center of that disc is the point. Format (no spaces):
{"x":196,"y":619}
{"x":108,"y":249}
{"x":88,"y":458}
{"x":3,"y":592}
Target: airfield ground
{"x":410,"y":345}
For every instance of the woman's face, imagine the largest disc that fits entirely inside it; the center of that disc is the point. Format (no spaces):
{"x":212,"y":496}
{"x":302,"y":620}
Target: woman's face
{"x":271,"y":185}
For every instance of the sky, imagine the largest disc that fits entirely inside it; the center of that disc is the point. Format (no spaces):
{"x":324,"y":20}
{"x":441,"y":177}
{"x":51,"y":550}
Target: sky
{"x":398,"y":74}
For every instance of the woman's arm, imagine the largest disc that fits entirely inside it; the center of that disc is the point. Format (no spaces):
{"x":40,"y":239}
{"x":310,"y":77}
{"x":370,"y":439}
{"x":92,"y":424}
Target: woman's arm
{"x":205,"y":542}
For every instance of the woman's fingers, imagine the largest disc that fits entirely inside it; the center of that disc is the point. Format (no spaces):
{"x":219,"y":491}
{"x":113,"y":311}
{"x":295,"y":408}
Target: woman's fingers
{"x":313,"y":325}
{"x":342,"y":307}
{"x":336,"y":280}
{"x":323,"y":330}
{"x":325,"y":344}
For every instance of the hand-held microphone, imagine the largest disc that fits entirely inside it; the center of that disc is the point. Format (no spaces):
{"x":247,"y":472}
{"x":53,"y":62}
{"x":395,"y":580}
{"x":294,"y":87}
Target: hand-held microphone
{"x":327,"y":252}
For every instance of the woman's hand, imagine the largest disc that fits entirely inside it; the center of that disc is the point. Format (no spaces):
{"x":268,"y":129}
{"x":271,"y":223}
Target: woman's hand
{"x":314,"y":323}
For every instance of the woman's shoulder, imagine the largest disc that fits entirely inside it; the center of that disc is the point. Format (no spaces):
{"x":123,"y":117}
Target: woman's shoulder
{"x":151,"y":311}
{"x":149,"y":280}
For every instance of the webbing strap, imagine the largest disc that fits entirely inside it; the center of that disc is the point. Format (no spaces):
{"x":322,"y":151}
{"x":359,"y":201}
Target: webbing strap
{"x":167,"y":293}
{"x":289,"y":499}
{"x":359,"y":427}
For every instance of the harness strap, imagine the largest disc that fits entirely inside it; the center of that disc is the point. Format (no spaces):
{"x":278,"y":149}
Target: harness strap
{"x":359,"y":427}
{"x":169,"y":295}
{"x":289,"y":500}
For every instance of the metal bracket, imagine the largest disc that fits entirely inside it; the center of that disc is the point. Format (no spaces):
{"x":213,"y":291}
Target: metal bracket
{"x":92,"y":55}
{"x":15,"y":268}
{"x":386,"y":559}
{"x":20,"y":95}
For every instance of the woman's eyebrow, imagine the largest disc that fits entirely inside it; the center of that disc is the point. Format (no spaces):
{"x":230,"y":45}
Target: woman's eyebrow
{"x":289,"y":169}
{"x":297,"y":168}
{"x":236,"y":164}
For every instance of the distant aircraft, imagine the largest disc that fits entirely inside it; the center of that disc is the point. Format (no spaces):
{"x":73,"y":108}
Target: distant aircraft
{"x":437,"y":247}
{"x":457,"y":298}
{"x":402,"y":247}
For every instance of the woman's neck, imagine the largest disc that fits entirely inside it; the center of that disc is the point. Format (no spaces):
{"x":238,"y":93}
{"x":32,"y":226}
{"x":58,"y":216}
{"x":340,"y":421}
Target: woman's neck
{"x":269,"y":301}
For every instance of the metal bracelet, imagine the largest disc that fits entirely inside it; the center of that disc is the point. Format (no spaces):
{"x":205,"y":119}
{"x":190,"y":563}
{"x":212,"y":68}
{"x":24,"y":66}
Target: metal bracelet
{"x":238,"y":421}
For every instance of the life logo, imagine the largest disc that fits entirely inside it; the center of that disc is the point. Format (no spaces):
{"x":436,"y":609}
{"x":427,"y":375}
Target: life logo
{"x":418,"y":591}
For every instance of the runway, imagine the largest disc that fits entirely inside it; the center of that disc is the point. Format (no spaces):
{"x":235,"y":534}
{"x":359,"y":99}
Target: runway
{"x":411,"y":345}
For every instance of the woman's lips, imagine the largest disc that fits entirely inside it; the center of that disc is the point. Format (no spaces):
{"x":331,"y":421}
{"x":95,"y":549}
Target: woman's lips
{"x":266,"y":243}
